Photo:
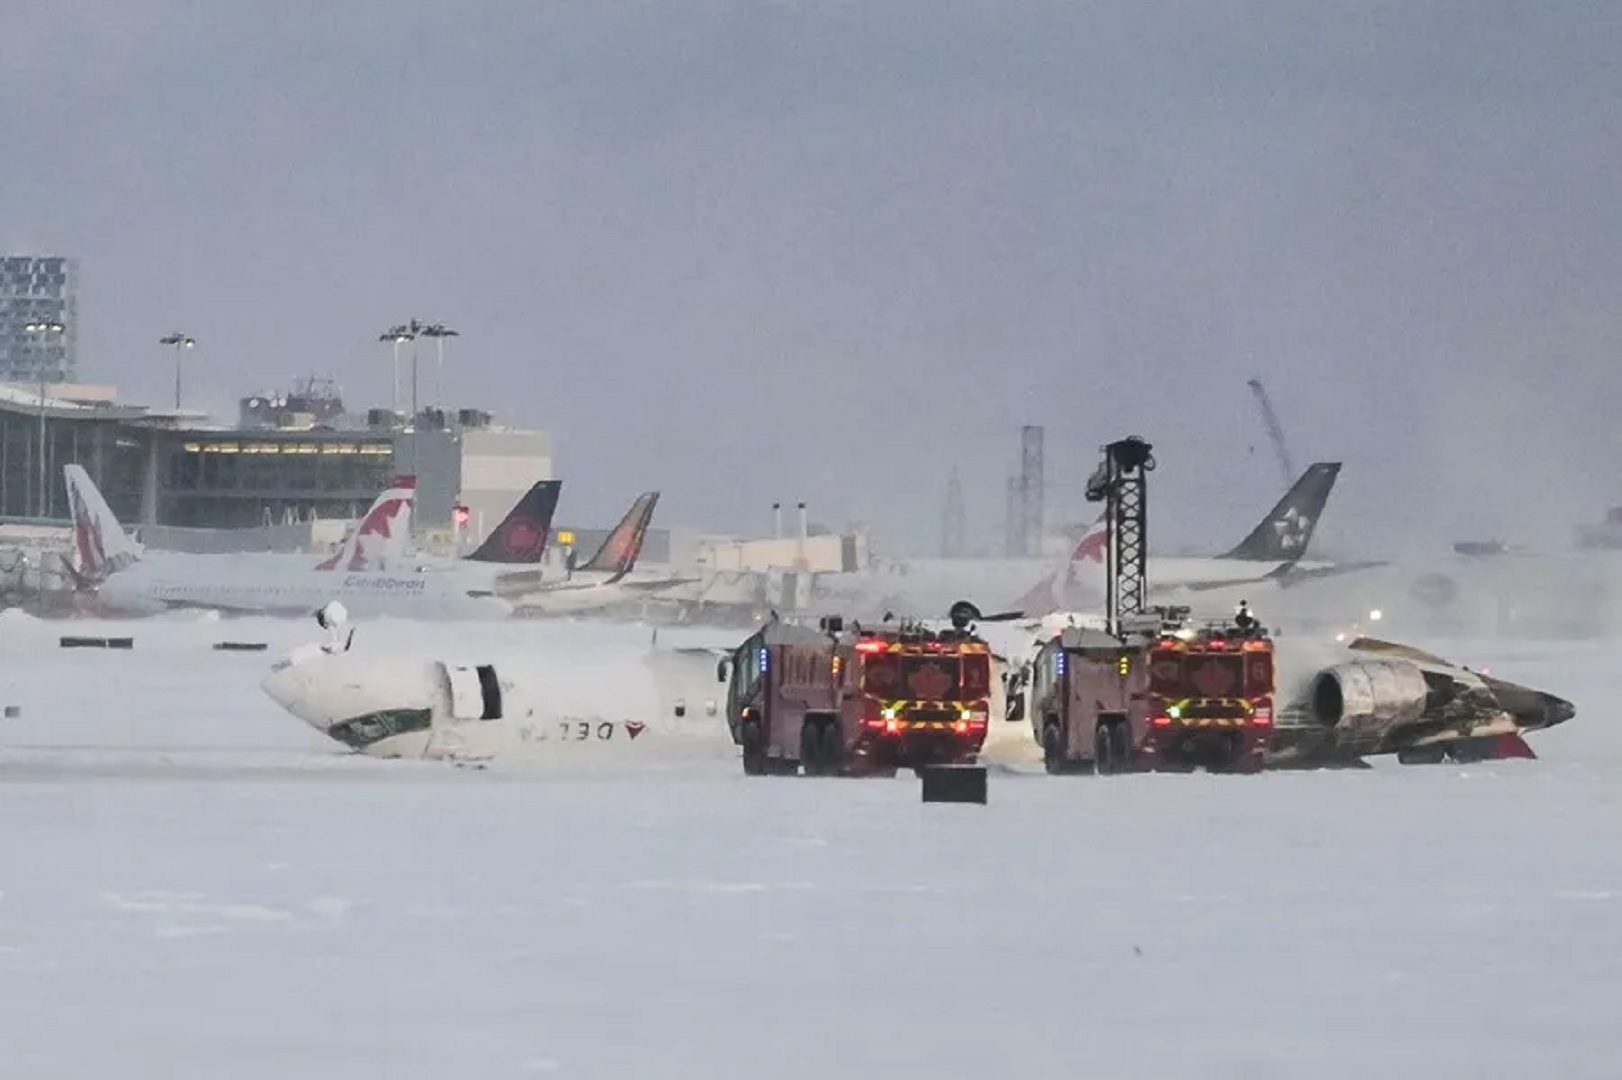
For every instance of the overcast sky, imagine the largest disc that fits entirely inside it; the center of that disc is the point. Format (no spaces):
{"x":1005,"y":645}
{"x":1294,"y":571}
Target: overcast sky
{"x":745,"y":252}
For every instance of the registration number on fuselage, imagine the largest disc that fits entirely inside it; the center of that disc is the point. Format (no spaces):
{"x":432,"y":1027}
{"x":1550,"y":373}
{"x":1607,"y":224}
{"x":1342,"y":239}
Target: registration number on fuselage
{"x":579,"y":729}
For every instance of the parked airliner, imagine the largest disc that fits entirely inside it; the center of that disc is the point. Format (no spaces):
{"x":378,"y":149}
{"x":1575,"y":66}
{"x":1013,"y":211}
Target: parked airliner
{"x":372,"y":573}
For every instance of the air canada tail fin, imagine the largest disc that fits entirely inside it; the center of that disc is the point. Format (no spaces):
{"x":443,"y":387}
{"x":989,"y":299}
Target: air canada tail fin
{"x":619,"y":552}
{"x":1285,"y":532}
{"x":522,"y":535}
{"x":381,"y":536}
{"x":100,"y":544}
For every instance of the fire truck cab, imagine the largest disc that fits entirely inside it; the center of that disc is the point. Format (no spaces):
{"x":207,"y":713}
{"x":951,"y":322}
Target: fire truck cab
{"x":1164,"y":695}
{"x":858,"y":701}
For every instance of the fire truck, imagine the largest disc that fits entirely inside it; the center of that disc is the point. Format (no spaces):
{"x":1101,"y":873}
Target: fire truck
{"x":1150,"y":690}
{"x":1157,"y":694}
{"x":862,"y":700}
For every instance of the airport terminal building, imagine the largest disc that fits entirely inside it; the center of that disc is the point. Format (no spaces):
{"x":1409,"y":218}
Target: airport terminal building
{"x":291,"y":458}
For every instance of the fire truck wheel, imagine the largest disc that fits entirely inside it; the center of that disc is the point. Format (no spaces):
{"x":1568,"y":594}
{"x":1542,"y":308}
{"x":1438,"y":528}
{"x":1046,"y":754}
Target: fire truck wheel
{"x":811,"y":748}
{"x":1103,"y":750}
{"x":1052,"y":749}
{"x":754,"y":754}
{"x":1120,"y":739}
{"x":832,"y":749}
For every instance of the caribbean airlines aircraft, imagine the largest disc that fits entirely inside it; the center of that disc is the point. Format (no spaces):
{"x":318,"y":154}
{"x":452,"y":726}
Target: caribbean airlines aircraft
{"x":371,"y":573}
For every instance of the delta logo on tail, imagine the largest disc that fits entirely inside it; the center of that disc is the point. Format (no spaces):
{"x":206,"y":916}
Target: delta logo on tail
{"x":523,"y":534}
{"x":382,"y":532}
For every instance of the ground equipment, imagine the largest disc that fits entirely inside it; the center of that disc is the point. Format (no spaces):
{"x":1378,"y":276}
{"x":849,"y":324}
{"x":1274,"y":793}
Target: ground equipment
{"x":858,"y":700}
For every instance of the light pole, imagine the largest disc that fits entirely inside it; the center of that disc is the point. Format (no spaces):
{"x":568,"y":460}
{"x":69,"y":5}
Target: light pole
{"x":42,"y":328}
{"x":439,"y":332}
{"x":181,"y":342}
{"x":398,"y":335}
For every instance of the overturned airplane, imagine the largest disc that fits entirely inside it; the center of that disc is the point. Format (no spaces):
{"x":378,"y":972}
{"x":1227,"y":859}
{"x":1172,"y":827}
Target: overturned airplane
{"x":1333,"y":705}
{"x":1341,"y":703}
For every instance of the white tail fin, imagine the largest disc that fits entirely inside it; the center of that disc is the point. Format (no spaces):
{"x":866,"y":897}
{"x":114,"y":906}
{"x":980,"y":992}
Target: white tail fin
{"x":1052,"y":592}
{"x":100,"y":545}
{"x":380,"y":538}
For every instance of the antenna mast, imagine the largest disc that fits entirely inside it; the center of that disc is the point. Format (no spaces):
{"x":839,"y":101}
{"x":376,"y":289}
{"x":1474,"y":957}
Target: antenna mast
{"x":1120,"y":484}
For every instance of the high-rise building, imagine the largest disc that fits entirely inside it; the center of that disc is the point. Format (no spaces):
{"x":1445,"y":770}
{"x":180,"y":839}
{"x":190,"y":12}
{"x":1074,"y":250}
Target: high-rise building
{"x":39,"y":309}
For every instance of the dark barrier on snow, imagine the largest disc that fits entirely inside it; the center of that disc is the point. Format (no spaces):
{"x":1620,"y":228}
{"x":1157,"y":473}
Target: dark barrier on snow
{"x":241,"y":646}
{"x":954,"y":783}
{"x":97,"y":642}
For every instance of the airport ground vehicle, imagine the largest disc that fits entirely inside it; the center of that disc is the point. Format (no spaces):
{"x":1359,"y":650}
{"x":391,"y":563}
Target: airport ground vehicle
{"x":1149,"y":690}
{"x":858,"y":701}
{"x":1157,"y":695}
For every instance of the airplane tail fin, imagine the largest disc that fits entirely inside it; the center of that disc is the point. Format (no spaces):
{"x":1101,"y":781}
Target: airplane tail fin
{"x":381,"y":536}
{"x":522,"y":535}
{"x":1287,"y":529}
{"x":1509,"y":745}
{"x":100,"y":544}
{"x":1050,"y":594}
{"x":619,"y":552}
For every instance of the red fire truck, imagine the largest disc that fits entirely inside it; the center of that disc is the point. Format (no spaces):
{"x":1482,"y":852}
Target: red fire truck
{"x":864,"y":700}
{"x":1163,"y":696}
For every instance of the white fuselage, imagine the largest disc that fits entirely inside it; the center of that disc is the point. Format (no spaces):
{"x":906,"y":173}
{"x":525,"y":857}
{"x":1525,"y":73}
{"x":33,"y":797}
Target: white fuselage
{"x":926,"y":588}
{"x":575,"y":708}
{"x":274,"y":584}
{"x":580,"y":595}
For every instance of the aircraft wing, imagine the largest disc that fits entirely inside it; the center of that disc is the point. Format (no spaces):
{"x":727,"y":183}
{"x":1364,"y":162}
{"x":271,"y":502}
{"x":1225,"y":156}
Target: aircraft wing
{"x":663,"y":583}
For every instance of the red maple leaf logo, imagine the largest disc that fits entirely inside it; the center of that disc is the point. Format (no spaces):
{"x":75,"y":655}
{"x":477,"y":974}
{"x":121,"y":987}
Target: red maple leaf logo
{"x":523,"y":537}
{"x":1213,"y":678}
{"x":929,"y":682}
{"x":1092,"y":548}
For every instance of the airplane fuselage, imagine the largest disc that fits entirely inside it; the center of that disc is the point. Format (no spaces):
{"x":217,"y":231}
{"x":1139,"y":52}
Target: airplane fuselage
{"x":618,"y":708}
{"x":927,"y":587}
{"x":290,"y":584}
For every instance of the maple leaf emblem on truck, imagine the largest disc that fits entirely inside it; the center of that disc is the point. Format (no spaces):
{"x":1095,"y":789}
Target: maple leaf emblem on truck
{"x":1213,"y":679}
{"x":929,"y":682}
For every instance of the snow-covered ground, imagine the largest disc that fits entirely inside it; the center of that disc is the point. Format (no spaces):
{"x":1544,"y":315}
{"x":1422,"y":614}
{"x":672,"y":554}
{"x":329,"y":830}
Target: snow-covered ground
{"x":193,"y":884}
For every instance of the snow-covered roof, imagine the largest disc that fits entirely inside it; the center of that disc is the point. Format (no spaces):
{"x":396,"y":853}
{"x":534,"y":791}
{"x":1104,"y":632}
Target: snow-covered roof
{"x":16,"y":398}
{"x":12,"y":395}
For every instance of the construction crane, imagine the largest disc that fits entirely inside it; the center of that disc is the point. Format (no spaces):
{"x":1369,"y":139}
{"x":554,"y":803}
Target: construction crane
{"x":1274,"y":430}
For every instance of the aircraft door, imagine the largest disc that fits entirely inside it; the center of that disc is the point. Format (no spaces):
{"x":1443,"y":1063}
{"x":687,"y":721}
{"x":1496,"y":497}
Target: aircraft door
{"x":471,"y":690}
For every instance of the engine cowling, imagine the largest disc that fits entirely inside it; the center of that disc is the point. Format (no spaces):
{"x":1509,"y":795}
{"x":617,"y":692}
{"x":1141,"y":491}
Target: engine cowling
{"x":1365,"y":699}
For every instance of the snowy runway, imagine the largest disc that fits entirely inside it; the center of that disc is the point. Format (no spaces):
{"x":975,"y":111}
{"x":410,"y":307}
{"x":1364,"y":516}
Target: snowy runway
{"x":207,"y":890}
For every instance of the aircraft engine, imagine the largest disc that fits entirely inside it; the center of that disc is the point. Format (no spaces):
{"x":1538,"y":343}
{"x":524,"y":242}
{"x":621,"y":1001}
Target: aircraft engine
{"x":1364,"y":699}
